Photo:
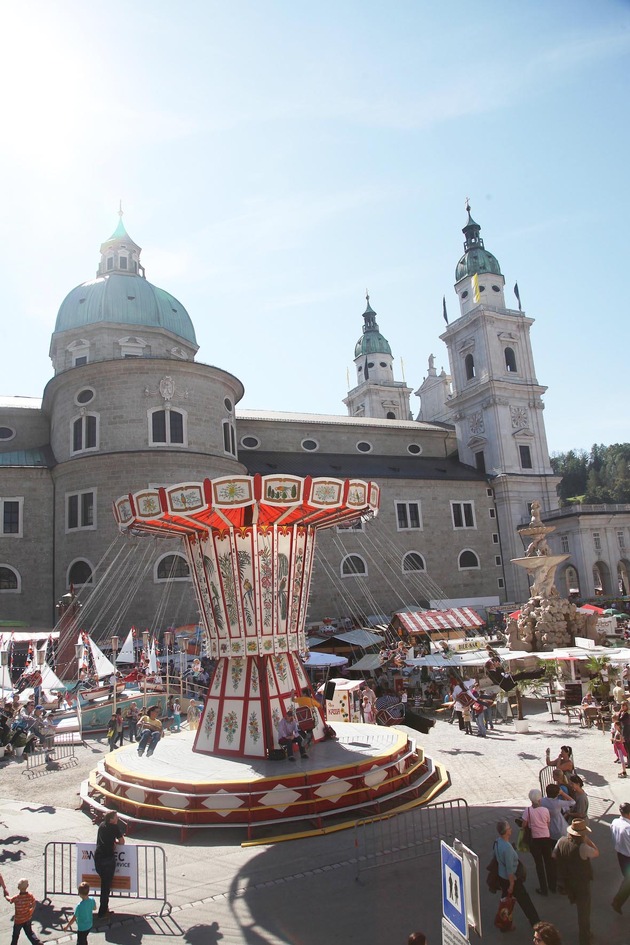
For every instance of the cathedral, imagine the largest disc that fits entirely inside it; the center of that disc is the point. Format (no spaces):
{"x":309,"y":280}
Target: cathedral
{"x":129,"y":405}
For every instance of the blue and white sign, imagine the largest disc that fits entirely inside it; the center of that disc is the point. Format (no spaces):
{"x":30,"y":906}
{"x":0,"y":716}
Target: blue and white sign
{"x":453,"y":895}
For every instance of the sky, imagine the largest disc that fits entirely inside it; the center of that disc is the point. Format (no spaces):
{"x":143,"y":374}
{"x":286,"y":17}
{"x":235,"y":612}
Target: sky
{"x":276,"y":159}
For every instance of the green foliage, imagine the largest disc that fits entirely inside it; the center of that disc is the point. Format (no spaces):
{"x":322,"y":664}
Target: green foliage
{"x":599,"y":477}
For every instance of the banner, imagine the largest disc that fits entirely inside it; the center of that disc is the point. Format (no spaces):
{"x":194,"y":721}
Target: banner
{"x":126,"y":875}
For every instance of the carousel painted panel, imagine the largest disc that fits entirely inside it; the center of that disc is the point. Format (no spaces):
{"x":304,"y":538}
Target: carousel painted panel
{"x":122,"y":510}
{"x":246,"y":551}
{"x":231,"y":726}
{"x":148,"y":504}
{"x":282,"y":490}
{"x":326,"y":493}
{"x":266,"y":588}
{"x":227,"y":560}
{"x":254,"y":743}
{"x":236,"y":681}
{"x":207,"y":738}
{"x":232,"y":492}
{"x":296,"y":583}
{"x":185,"y":498}
{"x":283,"y":564}
{"x":214,"y":547}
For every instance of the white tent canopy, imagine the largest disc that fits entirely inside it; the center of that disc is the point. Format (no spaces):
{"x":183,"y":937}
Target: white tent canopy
{"x":321,"y":660}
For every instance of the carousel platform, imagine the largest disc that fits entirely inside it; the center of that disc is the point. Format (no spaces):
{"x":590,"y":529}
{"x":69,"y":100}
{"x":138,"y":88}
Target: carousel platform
{"x":368,"y":771}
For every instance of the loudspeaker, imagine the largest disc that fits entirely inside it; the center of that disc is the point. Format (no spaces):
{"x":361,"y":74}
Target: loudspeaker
{"x":329,"y":689}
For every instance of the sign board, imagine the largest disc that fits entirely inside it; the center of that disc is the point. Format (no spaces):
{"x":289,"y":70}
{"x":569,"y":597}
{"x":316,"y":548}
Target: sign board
{"x":453,"y":894}
{"x":450,"y":935}
{"x":585,"y":644}
{"x":471,"y":885}
{"x":126,"y":875}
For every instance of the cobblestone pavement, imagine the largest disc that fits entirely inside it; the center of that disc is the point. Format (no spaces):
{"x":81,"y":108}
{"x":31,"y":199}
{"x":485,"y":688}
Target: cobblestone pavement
{"x":306,"y":891}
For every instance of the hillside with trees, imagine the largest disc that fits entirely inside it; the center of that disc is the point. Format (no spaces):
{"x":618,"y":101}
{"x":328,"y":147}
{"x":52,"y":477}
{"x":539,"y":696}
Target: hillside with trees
{"x":601,"y":476}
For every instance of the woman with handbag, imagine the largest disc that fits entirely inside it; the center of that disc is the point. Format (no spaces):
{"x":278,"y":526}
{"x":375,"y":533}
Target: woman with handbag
{"x":538,"y":819}
{"x":512,"y":872}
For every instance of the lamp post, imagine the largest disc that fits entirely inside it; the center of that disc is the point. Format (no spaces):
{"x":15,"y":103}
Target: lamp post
{"x":182,"y":640}
{"x":168,"y":642}
{"x":115,"y":642}
{"x":4,"y":659}
{"x":145,"y":649}
{"x":41,"y":659}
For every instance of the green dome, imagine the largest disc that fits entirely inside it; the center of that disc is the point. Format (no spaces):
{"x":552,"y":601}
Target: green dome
{"x":371,"y":341}
{"x":124,"y":299}
{"x":476,"y":258}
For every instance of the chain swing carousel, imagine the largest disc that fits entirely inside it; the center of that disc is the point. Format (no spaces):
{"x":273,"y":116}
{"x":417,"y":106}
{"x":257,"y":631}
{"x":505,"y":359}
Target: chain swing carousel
{"x":250,"y":542}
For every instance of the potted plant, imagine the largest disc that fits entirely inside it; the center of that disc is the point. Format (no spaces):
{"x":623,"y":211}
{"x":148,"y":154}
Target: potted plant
{"x":598,"y":667}
{"x":536,"y":689}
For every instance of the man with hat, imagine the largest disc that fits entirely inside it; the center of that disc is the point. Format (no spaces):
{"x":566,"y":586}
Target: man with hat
{"x":573,"y":855}
{"x":620,"y":828}
{"x":289,"y":735}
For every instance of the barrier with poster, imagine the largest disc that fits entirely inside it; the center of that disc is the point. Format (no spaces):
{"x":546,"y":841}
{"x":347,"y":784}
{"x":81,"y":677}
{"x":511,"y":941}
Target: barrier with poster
{"x":140,"y":871}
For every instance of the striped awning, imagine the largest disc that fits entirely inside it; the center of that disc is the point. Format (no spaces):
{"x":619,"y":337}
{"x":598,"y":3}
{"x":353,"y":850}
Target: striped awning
{"x":457,"y":618}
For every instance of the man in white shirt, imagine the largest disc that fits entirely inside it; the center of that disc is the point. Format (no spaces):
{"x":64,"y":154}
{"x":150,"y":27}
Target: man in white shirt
{"x":620,"y":829}
{"x":290,"y":735}
{"x":458,"y":707}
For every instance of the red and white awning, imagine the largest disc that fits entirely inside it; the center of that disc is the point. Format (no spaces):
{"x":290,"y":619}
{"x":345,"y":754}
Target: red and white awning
{"x":457,"y":618}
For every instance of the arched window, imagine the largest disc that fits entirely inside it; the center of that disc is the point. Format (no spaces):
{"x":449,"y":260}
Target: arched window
{"x":353,"y":566}
{"x":413,"y":561}
{"x":79,"y":573}
{"x":390,"y":415}
{"x":85,"y":433}
{"x":510,"y":360}
{"x":10,"y":579}
{"x":172,"y":568}
{"x":229,"y":438}
{"x":469,"y":364}
{"x":167,"y":428}
{"x":468,"y":560}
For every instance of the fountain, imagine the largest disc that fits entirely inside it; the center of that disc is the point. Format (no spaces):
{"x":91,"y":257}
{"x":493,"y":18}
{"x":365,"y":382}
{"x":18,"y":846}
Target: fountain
{"x":547,"y":620}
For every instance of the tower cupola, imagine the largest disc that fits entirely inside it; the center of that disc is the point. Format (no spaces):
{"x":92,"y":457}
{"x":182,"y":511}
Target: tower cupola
{"x":478,"y":277}
{"x":120,"y":254}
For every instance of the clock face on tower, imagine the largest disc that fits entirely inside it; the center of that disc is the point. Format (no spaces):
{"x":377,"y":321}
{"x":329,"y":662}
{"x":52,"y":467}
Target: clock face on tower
{"x":519,"y":417}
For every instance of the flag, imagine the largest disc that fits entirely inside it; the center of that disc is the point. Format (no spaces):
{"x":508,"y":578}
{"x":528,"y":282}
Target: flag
{"x":444,"y":309}
{"x":475,"y":287}
{"x":366,"y":373}
{"x":518,"y":296}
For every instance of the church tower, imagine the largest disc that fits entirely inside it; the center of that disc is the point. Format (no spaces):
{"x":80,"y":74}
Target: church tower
{"x":496,"y":402}
{"x":377,"y":394}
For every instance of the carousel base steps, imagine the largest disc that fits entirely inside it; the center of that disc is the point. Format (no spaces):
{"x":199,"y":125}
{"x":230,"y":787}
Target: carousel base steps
{"x":369,"y":771}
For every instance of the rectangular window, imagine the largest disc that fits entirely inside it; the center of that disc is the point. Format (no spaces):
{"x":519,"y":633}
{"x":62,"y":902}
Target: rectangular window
{"x":490,"y":493}
{"x":480,"y":461}
{"x":158,"y":426}
{"x":497,"y":560}
{"x":82,"y":359}
{"x":621,"y":541}
{"x":90,"y":432}
{"x":597,"y":541}
{"x":501,"y":583}
{"x":408,"y":515}
{"x":492,"y":513}
{"x":495,"y":538}
{"x":80,"y":510}
{"x":564,"y":541}
{"x":526,"y":457}
{"x":110,"y":262}
{"x":122,"y":262}
{"x":463,"y":514}
{"x":11,"y":516}
{"x":177,"y":426}
{"x":84,"y":433}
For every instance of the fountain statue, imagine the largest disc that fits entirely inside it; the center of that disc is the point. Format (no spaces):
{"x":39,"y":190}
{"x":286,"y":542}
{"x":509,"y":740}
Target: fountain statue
{"x":547,"y":620}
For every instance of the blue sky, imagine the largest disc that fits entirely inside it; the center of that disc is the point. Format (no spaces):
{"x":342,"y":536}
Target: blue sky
{"x":275,"y":159}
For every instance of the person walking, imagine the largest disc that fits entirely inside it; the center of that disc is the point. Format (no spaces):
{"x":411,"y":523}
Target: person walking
{"x":24,"y":905}
{"x":620,"y":828}
{"x":511,"y":883}
{"x":177,"y":716}
{"x":110,"y":835}
{"x":573,"y":855}
{"x":538,"y":819}
{"x":193,"y":715}
{"x":83,"y":914}
{"x":132,"y":715}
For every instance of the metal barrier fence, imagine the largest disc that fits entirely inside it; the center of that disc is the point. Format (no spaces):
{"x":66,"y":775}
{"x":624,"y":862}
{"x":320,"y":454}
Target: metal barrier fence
{"x":60,"y":874}
{"x":406,"y":836}
{"x":54,"y":750}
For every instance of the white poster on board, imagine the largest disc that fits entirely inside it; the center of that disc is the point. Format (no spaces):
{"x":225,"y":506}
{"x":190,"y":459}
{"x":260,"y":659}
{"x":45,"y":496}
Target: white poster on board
{"x":125,"y":877}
